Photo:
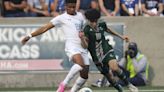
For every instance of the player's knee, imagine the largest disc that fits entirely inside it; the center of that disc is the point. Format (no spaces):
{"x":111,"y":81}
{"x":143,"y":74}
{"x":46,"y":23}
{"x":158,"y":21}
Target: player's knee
{"x":114,"y":68}
{"x":84,"y":72}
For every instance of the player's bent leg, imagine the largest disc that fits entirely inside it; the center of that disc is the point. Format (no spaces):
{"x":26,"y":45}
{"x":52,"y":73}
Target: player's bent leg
{"x":76,"y":68}
{"x":81,"y":80}
{"x":115,"y":68}
{"x":105,"y":71}
{"x":84,"y":72}
{"x":113,"y":82}
{"x":78,"y":59}
{"x":73,"y":71}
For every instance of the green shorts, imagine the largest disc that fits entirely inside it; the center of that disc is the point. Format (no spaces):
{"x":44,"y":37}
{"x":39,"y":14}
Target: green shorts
{"x":108,"y":57}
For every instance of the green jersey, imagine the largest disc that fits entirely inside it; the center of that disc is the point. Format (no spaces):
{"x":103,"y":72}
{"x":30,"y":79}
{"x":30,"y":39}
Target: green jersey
{"x":97,"y":45}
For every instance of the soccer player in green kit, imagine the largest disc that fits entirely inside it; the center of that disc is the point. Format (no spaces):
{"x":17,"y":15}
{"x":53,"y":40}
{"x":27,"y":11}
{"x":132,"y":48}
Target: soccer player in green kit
{"x":102,"y":53}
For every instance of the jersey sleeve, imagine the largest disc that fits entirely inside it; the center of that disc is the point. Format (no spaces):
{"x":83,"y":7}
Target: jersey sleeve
{"x":103,"y":25}
{"x":56,"y":21}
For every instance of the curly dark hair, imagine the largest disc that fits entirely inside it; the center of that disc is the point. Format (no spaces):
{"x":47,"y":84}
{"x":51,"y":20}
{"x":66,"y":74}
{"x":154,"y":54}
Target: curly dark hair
{"x":92,"y":15}
{"x":70,"y":1}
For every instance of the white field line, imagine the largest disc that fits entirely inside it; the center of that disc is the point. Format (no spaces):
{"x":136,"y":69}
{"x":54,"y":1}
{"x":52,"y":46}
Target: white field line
{"x":142,"y":90}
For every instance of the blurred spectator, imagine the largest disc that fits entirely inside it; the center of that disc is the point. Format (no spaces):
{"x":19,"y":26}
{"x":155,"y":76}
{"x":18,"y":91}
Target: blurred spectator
{"x":39,"y":8}
{"x":14,"y":8}
{"x":83,"y":5}
{"x":152,"y":7}
{"x":140,"y":8}
{"x":109,"y":7}
{"x":135,"y":65}
{"x":163,"y":7}
{"x":129,"y":8}
{"x":0,"y":13}
{"x":1,"y":8}
{"x":56,"y":7}
{"x":94,"y":4}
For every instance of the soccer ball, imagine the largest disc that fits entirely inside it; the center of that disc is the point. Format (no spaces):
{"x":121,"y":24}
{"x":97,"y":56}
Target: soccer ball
{"x":85,"y":89}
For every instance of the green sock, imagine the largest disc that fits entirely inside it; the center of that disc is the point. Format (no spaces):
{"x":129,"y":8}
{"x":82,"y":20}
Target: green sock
{"x":114,"y":83}
{"x":122,"y":76}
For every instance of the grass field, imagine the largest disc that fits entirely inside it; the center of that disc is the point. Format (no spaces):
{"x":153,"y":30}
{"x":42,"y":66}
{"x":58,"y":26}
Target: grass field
{"x":104,"y":89}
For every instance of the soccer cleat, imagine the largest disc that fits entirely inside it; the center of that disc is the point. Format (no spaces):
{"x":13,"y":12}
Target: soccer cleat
{"x":61,"y":87}
{"x":132,"y":88}
{"x":97,"y":84}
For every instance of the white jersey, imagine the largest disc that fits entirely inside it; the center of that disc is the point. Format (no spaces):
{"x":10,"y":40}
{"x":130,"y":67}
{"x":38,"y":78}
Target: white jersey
{"x":71,"y":25}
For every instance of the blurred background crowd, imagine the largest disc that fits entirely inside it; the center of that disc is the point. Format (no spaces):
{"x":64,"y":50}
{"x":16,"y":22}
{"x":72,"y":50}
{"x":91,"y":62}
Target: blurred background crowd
{"x":52,"y":8}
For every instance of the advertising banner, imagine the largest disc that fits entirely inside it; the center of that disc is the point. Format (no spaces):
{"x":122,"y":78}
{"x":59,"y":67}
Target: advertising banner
{"x":45,"y":52}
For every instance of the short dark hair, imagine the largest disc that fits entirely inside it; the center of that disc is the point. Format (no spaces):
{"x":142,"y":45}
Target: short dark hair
{"x":92,"y":15}
{"x":70,"y":1}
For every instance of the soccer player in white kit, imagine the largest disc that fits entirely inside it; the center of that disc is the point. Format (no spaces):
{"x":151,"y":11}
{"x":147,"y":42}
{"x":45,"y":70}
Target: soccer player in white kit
{"x":71,"y":22}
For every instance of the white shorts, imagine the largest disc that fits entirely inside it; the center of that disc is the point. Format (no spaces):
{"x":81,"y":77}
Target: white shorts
{"x":71,"y":52}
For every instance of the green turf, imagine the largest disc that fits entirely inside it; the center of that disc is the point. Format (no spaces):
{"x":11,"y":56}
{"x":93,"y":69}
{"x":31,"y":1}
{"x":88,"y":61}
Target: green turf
{"x":95,"y":89}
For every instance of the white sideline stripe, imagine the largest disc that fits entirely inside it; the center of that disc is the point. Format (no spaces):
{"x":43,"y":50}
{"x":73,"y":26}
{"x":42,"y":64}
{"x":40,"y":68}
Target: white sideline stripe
{"x":144,"y":90}
{"x":151,"y":90}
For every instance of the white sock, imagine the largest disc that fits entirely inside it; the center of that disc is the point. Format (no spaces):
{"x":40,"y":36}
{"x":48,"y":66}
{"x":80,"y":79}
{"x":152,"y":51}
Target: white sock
{"x":73,"y":71}
{"x":78,"y":84}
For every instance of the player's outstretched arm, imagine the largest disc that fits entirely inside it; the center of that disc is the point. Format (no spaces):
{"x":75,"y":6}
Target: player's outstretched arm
{"x":39,"y":31}
{"x":126,"y":38}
